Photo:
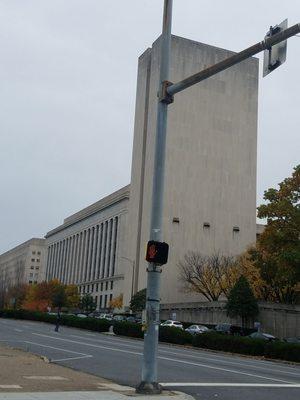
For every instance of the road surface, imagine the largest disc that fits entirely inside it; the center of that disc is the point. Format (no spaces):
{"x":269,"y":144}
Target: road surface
{"x":205,"y":375}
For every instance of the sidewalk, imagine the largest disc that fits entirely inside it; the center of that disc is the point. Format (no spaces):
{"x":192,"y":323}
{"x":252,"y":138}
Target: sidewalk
{"x":24,"y":376}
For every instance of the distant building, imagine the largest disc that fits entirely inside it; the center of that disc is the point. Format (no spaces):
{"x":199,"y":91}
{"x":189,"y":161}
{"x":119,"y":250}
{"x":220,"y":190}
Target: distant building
{"x":24,"y":263}
{"x":88,"y":248}
{"x":210,"y":182}
{"x":211,"y":149}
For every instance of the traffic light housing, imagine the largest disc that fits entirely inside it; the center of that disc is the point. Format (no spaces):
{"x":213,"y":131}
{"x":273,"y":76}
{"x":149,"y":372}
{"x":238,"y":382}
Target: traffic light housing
{"x":157,"y":252}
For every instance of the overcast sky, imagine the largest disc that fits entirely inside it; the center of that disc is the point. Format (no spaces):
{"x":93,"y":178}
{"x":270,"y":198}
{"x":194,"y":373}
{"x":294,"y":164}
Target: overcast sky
{"x":67,"y":96}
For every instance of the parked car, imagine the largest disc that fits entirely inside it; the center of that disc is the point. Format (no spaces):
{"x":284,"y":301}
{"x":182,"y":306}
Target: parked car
{"x":131,"y":319}
{"x":197,"y":329}
{"x":119,"y":318}
{"x":109,"y":317}
{"x":174,"y":324}
{"x":229,"y":329}
{"x":295,"y":340}
{"x":81,"y":315}
{"x":263,"y":336}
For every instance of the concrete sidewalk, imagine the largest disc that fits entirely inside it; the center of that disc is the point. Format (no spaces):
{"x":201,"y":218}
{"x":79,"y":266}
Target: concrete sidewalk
{"x":25,"y":376}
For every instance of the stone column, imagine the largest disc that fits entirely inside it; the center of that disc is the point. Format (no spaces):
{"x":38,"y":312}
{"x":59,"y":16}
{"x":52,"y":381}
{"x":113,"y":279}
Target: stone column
{"x":112,"y":247}
{"x":103,"y":249}
{"x":95,"y":245}
{"x":98,"y":261}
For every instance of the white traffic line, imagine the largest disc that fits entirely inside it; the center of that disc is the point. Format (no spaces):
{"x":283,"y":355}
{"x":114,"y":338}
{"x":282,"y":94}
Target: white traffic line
{"x":167,"y":359}
{"x":224,"y":361}
{"x":45,"y":377}
{"x":183,"y":353}
{"x":213,"y":384}
{"x":10,"y":387}
{"x":88,"y":344}
{"x":82,"y":355}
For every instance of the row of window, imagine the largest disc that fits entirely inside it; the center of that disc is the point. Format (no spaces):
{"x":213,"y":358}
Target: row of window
{"x":86,"y":256}
{"x":95,"y":287}
{"x":32,"y":267}
{"x":38,"y":253}
{"x":35,"y":275}
{"x":37,"y":260}
{"x":104,"y":300}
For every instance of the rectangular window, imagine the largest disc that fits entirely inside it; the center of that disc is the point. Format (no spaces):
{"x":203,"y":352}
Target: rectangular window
{"x":88,"y":288}
{"x":96,"y":301}
{"x":32,"y":267}
{"x":92,"y":287}
{"x":36,"y":275}
{"x":33,"y":260}
{"x":37,"y":260}
{"x":101,"y":286}
{"x":111,"y":285}
{"x":105,"y":301}
{"x":37,"y":267}
{"x":33,"y":252}
{"x":100,"y":302}
{"x":30,"y":282}
{"x":110,"y":297}
{"x":97,"y":287}
{"x":39,"y":253}
{"x":106,"y":285}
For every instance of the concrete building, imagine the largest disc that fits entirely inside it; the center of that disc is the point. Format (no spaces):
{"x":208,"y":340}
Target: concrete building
{"x":88,"y":248}
{"x":25,"y":263}
{"x":210,"y":180}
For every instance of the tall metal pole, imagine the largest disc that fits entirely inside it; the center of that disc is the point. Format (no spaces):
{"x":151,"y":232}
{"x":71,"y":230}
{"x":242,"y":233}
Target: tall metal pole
{"x":149,"y":382}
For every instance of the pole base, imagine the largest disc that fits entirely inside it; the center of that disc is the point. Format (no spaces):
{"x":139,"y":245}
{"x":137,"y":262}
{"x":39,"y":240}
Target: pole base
{"x":149,"y":388}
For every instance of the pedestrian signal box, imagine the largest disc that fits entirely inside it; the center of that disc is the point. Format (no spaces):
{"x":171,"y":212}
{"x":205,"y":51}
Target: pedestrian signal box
{"x":157,"y":252}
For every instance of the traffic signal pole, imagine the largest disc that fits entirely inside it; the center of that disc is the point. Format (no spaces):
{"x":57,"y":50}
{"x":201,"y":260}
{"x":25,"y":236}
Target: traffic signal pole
{"x":149,"y":382}
{"x":166,"y":91}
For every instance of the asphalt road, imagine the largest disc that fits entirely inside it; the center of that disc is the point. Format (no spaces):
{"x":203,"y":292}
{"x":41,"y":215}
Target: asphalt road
{"x":203,"y":374}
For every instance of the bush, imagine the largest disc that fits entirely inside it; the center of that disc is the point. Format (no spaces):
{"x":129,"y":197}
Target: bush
{"x":234,"y":344}
{"x":126,"y":328}
{"x":174,"y":335}
{"x":283,"y":351}
{"x":99,"y":325}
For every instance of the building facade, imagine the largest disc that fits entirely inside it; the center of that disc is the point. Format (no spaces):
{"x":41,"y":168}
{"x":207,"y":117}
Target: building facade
{"x":210,"y":182}
{"x":210,"y":177}
{"x":25,"y":263}
{"x":88,"y":248}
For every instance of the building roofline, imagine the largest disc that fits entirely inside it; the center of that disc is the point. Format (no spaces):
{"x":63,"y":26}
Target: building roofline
{"x":92,"y":209}
{"x":23,"y":245}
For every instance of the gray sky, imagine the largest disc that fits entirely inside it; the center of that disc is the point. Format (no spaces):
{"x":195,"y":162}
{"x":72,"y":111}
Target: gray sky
{"x":68,"y":80}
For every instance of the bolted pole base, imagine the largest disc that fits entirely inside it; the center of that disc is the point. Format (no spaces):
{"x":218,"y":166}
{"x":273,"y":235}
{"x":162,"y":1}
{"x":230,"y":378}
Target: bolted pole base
{"x":149,"y":388}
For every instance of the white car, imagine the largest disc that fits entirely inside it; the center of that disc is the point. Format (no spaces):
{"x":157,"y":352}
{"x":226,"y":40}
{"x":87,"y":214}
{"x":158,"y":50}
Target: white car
{"x":196,"y":329}
{"x":174,"y":324}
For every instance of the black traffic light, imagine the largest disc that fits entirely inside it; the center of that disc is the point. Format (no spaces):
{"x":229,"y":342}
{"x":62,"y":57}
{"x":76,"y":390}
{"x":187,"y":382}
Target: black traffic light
{"x":157,"y":252}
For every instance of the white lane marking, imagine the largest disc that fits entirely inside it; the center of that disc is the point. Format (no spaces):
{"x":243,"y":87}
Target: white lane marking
{"x":224,"y":369}
{"x":213,"y":384}
{"x":223,"y":361}
{"x":70,"y":358}
{"x":88,"y":344}
{"x":115,"y":386}
{"x":56,"y":348}
{"x":166,"y":358}
{"x":45,"y":377}
{"x":199,"y":356}
{"x":10,"y":387}
{"x":18,"y":330}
